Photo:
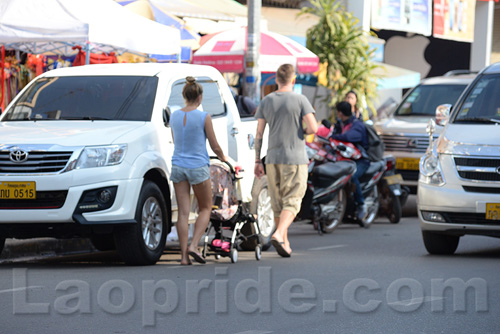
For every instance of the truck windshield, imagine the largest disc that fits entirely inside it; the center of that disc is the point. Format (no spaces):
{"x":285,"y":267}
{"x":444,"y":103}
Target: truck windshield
{"x":424,"y":99}
{"x":482,"y":104}
{"x":86,"y":98}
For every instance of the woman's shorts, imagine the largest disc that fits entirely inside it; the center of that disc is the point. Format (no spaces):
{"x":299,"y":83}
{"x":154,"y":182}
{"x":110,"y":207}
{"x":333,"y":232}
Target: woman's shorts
{"x":192,"y":175}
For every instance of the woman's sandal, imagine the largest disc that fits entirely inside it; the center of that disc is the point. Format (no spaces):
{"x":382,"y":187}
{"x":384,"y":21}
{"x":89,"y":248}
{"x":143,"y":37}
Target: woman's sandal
{"x":197,"y":257}
{"x":279,"y":248}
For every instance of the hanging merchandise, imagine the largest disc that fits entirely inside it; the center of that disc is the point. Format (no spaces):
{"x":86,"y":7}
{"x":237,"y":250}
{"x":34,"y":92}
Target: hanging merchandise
{"x":36,"y":63}
{"x":94,"y":57}
{"x":2,"y":78}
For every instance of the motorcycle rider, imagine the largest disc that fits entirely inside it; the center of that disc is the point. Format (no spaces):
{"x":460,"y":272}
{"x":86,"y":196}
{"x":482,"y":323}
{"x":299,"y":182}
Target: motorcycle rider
{"x":350,"y":129}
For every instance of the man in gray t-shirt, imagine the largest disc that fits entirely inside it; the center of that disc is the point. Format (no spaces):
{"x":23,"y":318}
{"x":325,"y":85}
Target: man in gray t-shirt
{"x":286,"y":159}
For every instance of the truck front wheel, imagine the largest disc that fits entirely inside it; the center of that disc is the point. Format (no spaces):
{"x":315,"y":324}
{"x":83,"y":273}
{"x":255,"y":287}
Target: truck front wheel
{"x":142,"y":243}
{"x":261,"y":206}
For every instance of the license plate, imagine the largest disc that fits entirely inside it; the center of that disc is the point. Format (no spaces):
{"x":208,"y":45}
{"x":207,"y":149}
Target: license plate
{"x":394,"y":179}
{"x":407,"y":163}
{"x":17,"y":190}
{"x":493,"y":211}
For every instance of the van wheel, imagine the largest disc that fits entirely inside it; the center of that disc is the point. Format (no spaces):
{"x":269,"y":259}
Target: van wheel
{"x":440,"y":244}
{"x":261,"y":206}
{"x":142,"y":243}
{"x":2,"y":244}
{"x":103,"y":242}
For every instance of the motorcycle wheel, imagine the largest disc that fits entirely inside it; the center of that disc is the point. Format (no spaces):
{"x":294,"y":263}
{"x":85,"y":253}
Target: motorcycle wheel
{"x":328,"y":226}
{"x":372,"y":202}
{"x":394,"y":213}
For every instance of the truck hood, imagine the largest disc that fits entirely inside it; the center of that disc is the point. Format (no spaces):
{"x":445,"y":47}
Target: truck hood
{"x":65,"y":133}
{"x":405,"y":124}
{"x":470,"y":139}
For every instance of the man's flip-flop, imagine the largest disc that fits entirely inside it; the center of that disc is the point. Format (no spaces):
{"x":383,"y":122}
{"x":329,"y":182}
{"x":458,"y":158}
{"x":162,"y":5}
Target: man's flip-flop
{"x":279,"y":247}
{"x":197,"y":257}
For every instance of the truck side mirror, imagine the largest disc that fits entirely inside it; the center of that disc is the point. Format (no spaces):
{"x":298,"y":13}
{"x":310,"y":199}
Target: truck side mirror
{"x":166,"y":116}
{"x":443,"y":114}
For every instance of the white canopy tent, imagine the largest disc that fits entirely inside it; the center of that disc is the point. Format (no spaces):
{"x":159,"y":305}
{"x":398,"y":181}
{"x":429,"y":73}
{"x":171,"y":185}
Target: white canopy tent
{"x":55,"y":26}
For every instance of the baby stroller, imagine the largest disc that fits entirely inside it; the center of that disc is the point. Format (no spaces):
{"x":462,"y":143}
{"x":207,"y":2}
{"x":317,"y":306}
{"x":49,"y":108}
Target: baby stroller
{"x":228,"y":214}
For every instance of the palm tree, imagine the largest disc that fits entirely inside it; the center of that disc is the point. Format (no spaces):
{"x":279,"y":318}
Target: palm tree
{"x":343,"y":50}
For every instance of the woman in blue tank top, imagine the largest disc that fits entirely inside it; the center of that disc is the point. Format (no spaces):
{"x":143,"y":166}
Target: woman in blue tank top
{"x":191,"y":128}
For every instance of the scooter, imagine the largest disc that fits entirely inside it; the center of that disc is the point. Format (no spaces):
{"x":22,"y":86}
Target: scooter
{"x":368,"y":184}
{"x":392,"y":195}
{"x":324,"y":203}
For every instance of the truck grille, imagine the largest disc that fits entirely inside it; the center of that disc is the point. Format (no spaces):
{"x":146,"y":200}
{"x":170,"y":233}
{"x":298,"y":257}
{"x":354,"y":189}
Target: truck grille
{"x":405,"y":143}
{"x":37,"y":162}
{"x":478,"y":169}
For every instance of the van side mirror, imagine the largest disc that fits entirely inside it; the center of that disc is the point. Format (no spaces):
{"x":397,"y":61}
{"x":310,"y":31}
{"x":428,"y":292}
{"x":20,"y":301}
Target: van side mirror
{"x":443,"y":114}
{"x":166,"y":116}
{"x":431,"y":127}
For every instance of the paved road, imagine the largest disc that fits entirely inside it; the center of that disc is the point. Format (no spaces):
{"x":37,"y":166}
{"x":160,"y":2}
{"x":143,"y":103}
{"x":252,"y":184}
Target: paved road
{"x":379,"y":280}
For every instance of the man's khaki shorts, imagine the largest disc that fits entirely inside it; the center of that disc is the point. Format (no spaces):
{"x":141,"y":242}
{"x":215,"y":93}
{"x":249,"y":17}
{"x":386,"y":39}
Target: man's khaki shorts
{"x":287,"y":186}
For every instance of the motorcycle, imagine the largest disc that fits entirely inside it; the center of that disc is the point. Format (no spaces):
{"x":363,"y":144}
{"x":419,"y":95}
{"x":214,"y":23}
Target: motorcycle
{"x":368,"y":182}
{"x":324,"y":203}
{"x":392,"y":195}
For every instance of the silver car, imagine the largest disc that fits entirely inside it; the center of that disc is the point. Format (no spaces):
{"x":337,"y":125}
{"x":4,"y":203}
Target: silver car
{"x":459,"y":183}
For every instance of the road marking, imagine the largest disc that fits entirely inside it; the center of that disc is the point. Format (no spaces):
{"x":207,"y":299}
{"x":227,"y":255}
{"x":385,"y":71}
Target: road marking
{"x":34,"y":287}
{"x":414,"y":301}
{"x":253,"y":332}
{"x":326,"y":247}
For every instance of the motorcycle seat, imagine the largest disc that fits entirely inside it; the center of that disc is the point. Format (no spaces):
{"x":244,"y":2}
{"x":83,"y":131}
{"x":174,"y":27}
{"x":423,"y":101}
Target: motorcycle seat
{"x":334,"y":170}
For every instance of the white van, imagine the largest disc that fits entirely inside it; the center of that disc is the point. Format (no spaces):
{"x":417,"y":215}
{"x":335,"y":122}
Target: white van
{"x":459,"y":183}
{"x":86,"y":152}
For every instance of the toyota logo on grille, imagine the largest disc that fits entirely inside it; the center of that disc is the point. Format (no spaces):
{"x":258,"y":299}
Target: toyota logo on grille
{"x":412,"y":143}
{"x":18,"y":155}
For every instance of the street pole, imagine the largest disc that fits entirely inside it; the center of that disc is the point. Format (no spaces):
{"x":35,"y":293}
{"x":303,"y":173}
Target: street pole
{"x":252,"y":70}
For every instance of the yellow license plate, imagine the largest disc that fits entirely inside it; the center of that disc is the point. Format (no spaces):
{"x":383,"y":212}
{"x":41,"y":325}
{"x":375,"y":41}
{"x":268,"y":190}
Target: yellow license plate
{"x":407,"y":163}
{"x":394,"y":179}
{"x":493,"y":211}
{"x":17,"y":190}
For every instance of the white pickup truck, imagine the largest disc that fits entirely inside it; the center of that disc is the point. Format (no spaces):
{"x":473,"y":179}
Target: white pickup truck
{"x":86,"y":152}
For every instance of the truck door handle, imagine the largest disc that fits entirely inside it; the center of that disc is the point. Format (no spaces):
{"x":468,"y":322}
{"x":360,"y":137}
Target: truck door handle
{"x":234,"y":131}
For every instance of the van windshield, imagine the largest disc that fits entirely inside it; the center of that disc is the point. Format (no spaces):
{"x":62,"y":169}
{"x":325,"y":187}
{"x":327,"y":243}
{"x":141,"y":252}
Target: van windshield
{"x":128,"y":98}
{"x":482,"y":104}
{"x":424,"y":99}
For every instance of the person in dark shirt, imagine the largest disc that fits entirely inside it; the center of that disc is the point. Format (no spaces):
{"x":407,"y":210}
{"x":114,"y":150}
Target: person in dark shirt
{"x":352,"y":130}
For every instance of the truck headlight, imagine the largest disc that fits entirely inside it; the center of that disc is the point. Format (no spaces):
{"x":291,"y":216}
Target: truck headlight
{"x":430,"y":170}
{"x":101,"y":156}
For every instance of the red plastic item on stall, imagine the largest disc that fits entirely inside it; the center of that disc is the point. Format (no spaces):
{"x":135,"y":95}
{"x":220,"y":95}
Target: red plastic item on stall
{"x":94,"y":58}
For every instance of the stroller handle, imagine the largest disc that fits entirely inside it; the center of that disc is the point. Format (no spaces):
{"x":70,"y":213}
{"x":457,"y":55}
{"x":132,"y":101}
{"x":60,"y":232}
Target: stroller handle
{"x":233,"y":171}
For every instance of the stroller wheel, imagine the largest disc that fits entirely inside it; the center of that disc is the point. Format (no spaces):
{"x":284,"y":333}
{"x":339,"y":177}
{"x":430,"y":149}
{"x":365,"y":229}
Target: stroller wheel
{"x":217,"y":256}
{"x":258,"y":252}
{"x":234,"y":255}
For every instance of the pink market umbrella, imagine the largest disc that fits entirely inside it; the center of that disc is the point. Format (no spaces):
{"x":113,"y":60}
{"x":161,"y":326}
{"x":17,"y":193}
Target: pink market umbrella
{"x":226,"y":52}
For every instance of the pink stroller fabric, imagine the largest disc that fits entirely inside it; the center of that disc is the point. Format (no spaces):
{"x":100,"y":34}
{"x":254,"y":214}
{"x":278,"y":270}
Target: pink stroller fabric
{"x":225,"y":200}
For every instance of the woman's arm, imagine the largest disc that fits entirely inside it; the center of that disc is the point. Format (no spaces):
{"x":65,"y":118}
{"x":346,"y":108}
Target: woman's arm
{"x":212,"y":140}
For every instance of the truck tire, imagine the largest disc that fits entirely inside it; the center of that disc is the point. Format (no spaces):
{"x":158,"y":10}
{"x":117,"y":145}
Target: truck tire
{"x":261,"y":206}
{"x":142,"y":243}
{"x":103,"y":242}
{"x":2,"y":244}
{"x":440,"y":244}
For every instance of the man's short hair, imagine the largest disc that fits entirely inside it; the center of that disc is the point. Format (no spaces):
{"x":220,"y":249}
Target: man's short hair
{"x":285,"y":73}
{"x":345,"y":108}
